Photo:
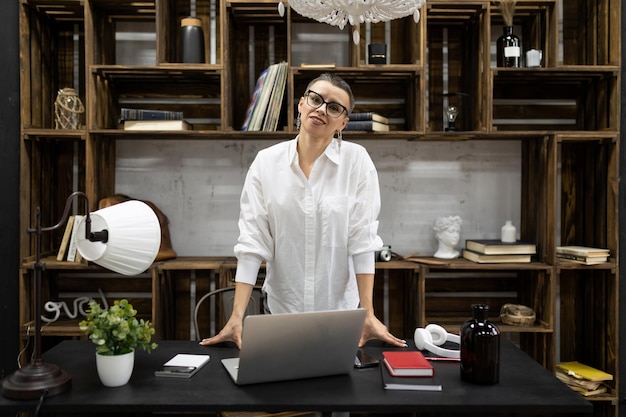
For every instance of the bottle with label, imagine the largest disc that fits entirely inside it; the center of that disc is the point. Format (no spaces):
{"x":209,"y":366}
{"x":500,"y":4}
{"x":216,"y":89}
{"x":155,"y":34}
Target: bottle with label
{"x":480,"y":348}
{"x":509,"y":49}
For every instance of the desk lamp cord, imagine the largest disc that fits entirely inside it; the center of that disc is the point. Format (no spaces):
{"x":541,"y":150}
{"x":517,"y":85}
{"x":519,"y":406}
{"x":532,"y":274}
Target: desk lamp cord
{"x":39,"y":404}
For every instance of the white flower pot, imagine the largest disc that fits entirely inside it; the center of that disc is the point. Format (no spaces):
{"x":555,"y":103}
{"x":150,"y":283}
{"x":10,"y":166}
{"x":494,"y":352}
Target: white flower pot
{"x":115,"y":371}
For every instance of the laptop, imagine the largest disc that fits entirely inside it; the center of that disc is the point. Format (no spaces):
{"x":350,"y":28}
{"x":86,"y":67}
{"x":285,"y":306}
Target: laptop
{"x":278,"y":347}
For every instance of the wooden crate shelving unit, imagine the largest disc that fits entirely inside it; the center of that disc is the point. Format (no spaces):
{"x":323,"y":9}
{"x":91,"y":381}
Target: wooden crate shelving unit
{"x":565,"y":115}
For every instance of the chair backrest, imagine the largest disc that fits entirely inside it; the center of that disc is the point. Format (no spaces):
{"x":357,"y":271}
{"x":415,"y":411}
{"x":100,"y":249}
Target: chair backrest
{"x":220,"y":306}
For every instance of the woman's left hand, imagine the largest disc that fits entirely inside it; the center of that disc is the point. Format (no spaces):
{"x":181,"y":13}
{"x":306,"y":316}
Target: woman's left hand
{"x":375,"y":329}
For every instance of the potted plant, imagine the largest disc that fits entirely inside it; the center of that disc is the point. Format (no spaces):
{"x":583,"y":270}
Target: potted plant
{"x":117,"y":333}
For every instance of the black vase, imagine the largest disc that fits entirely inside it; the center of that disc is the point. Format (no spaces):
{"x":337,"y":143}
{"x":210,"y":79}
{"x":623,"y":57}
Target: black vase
{"x":480,"y":348}
{"x":191,"y":41}
{"x":509,"y":49}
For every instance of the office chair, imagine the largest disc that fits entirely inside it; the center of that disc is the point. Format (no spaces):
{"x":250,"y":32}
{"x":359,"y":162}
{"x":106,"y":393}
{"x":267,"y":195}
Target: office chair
{"x":220,"y":311}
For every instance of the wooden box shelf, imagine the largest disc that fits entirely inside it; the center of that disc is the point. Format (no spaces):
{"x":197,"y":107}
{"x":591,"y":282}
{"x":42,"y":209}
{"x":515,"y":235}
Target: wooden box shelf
{"x":258,"y":37}
{"x":565,"y":116}
{"x":588,"y":329}
{"x":170,"y":13}
{"x":591,"y":33}
{"x":395,"y":34}
{"x":104,"y":17}
{"x":455,"y":32}
{"x":401,"y":103}
{"x":56,"y":57}
{"x":589,"y":191}
{"x":194,"y":90}
{"x":562,"y":98}
{"x":48,"y":151}
{"x":449,"y":288}
{"x":101,"y":21}
{"x":536,"y":23}
{"x":66,"y":281}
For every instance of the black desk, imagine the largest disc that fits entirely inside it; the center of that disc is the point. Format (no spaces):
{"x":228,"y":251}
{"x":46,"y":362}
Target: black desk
{"x":525,"y":387}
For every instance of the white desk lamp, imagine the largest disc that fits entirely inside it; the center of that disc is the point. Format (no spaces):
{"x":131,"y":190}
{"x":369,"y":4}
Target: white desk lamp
{"x":127,"y":242}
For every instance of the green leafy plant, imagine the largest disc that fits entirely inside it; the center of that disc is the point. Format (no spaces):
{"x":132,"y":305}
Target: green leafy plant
{"x":117,"y":330}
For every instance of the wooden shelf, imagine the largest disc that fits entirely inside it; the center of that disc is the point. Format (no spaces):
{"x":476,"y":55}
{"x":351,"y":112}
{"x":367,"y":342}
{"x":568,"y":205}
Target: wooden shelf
{"x":565,"y":117}
{"x":121,"y":134}
{"x":567,"y":71}
{"x":157,"y":73}
{"x":611,"y":265}
{"x":60,"y":328}
{"x":54,"y":134}
{"x":464,"y":264}
{"x":453,"y":324}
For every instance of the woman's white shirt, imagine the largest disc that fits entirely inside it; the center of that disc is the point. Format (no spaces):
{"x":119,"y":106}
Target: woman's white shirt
{"x":315,"y":234}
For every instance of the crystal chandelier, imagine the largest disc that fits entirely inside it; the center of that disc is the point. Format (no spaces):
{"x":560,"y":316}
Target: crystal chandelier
{"x":340,"y":12}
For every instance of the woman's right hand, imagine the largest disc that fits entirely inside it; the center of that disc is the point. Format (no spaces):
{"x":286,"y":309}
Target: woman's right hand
{"x":234,"y":326}
{"x":231,"y":332}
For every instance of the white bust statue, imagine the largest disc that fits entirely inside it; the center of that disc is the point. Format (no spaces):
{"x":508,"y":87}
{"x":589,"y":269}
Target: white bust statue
{"x":447,"y":231}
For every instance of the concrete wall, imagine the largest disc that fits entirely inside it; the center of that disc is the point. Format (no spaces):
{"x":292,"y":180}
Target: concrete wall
{"x":198,"y":184}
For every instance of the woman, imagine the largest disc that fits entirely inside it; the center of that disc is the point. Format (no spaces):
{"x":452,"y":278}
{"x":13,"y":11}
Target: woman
{"x":309,"y":208}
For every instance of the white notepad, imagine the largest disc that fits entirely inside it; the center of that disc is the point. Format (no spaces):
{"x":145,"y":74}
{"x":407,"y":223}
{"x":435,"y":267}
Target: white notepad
{"x":183,"y":365}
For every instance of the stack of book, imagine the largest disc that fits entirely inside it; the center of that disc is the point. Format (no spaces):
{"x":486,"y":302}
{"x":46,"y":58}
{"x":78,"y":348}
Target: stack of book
{"x":582,"y":254}
{"x":408,"y":370}
{"x":68,"y":249}
{"x":583,"y":378}
{"x":496,"y":251}
{"x":368,"y":122}
{"x":144,"y":119}
{"x":267,"y":99}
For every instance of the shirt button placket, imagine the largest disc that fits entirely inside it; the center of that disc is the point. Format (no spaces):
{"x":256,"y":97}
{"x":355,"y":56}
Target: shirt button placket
{"x":309,"y":251}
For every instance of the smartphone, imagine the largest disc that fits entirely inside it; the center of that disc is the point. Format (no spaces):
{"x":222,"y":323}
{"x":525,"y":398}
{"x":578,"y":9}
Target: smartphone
{"x":364,"y":360}
{"x":169,"y":370}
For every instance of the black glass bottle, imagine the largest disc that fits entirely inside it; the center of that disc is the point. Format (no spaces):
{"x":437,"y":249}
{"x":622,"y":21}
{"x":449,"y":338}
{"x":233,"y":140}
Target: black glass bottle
{"x":509,"y":49}
{"x":480,"y":348}
{"x":191,"y":41}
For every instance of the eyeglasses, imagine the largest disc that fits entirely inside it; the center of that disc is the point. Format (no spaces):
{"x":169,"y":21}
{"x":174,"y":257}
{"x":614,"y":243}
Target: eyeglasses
{"x":316,"y":101}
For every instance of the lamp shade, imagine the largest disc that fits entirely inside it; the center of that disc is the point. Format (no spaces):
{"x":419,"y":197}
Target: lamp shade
{"x":134,"y":237}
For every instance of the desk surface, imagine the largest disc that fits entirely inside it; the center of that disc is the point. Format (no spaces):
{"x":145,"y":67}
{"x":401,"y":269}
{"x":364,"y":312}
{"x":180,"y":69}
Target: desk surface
{"x":525,"y":387}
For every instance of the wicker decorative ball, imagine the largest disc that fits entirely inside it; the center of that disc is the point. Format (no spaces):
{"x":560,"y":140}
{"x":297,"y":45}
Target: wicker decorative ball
{"x":68,"y":110}
{"x":517,"y":315}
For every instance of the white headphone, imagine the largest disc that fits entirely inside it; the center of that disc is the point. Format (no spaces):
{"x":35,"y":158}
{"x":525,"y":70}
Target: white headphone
{"x":434,"y":336}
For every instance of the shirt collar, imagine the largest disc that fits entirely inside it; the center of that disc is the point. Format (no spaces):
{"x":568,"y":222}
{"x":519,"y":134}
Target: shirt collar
{"x":331,"y":151}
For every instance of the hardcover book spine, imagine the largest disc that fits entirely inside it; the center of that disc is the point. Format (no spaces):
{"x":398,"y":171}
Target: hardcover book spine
{"x":366,"y":125}
{"x":143,"y":114}
{"x":582,"y":251}
{"x":362,"y":116}
{"x":576,"y":257}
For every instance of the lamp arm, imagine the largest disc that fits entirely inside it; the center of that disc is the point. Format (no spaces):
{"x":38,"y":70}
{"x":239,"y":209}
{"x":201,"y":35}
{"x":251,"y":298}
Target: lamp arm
{"x":66,"y":214}
{"x":93,"y":237}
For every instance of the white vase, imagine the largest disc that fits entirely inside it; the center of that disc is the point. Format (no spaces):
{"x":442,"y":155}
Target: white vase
{"x":509,"y":232}
{"x":115,"y":370}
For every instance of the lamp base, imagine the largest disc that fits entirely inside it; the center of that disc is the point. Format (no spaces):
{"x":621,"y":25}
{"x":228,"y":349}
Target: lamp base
{"x":31,"y":381}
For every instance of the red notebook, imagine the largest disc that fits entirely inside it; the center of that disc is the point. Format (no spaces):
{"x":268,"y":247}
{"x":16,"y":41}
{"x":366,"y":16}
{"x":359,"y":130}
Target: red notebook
{"x":407,"y":363}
